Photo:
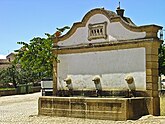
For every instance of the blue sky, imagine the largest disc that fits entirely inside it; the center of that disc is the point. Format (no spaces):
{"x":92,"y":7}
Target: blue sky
{"x":21,"y":20}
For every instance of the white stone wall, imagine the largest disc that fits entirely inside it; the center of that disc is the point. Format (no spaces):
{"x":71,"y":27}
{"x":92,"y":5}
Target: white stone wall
{"x":111,"y":66}
{"x":115,"y":32}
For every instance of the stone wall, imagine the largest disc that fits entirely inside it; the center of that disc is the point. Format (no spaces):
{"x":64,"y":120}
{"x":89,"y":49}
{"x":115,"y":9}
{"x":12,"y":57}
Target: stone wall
{"x":8,"y":92}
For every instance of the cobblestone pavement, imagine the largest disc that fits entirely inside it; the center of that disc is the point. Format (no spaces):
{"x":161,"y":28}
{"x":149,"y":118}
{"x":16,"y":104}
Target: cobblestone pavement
{"x":23,"y":109}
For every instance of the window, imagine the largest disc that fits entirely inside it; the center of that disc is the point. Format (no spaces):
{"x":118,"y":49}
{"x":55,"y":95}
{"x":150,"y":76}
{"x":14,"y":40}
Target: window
{"x":97,"y":31}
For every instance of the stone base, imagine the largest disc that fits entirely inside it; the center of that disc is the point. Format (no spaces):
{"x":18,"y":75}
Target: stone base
{"x":95,"y":108}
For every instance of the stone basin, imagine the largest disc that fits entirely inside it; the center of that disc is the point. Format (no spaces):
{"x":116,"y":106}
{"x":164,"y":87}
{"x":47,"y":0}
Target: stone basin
{"x":94,"y":107}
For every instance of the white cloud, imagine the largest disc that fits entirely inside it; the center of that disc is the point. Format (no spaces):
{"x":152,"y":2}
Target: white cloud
{"x":2,"y":57}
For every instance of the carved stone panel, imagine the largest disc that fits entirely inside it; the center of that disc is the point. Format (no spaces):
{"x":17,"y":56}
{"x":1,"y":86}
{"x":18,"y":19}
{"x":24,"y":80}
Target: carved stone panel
{"x":97,"y":31}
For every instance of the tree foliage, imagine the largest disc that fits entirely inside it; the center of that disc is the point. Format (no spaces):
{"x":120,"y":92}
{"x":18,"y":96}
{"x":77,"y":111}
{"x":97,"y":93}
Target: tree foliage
{"x":161,"y":59}
{"x":9,"y":75}
{"x":33,"y":61}
{"x":36,"y":57}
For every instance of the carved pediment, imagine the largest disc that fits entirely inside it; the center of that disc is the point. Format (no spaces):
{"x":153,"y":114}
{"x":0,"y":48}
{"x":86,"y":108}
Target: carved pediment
{"x":100,"y":25}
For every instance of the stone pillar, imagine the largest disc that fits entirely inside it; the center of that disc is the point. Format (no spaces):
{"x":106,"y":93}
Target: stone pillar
{"x":54,"y":78}
{"x":152,"y":76}
{"x":55,"y":53}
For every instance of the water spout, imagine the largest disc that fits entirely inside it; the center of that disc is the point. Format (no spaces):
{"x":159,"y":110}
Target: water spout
{"x":97,"y":82}
{"x":131,"y":85}
{"x":68,"y":81}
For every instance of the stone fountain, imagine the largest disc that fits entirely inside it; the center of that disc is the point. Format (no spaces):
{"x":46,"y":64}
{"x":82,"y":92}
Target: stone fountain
{"x":107,"y":69}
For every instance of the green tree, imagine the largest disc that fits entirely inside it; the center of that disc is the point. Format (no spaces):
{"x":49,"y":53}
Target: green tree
{"x":161,"y":59}
{"x":35,"y":59}
{"x":9,"y":75}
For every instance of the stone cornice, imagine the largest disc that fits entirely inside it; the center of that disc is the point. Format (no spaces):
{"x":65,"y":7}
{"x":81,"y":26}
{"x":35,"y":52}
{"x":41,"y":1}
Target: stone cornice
{"x":106,"y":43}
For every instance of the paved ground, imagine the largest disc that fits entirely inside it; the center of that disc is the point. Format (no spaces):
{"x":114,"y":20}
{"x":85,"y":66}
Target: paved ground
{"x":22,"y":109}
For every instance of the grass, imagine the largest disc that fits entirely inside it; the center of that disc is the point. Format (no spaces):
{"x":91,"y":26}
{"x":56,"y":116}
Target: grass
{"x":7,"y":89}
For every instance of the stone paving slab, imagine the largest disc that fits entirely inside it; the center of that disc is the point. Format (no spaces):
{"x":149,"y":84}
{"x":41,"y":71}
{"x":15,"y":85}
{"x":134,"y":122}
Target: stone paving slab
{"x":23,"y":109}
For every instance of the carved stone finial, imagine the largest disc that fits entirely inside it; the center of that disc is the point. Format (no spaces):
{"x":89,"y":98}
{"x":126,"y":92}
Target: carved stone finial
{"x":120,"y":11}
{"x":118,"y":6}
